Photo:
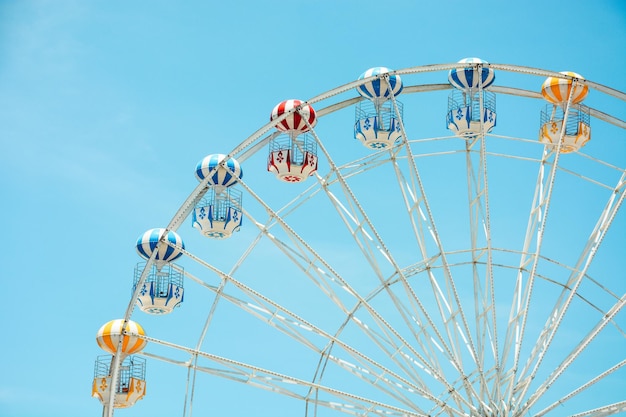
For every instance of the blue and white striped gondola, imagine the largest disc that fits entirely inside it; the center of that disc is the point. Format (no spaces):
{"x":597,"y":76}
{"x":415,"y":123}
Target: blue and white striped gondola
{"x":219,"y":176}
{"x":468,"y":78}
{"x":378,"y":88}
{"x":147,"y":243}
{"x":377,"y":125}
{"x":218,"y":216}
{"x":471,"y":107}
{"x":219,"y":213}
{"x":162,"y":289}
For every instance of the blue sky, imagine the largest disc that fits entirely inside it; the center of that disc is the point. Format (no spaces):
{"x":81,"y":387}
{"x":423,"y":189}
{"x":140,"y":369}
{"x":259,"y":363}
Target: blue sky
{"x":106,"y":106}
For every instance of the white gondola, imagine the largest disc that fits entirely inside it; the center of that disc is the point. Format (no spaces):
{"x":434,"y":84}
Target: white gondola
{"x":292,"y":159}
{"x":377,"y":126}
{"x":577,"y":130}
{"x":131,"y":381}
{"x":466,"y":118}
{"x":377,"y":123}
{"x":218,"y":215}
{"x":440,"y":276}
{"x":162,"y":291}
{"x":293,"y":154}
{"x":560,"y":120}
{"x":471,"y":108}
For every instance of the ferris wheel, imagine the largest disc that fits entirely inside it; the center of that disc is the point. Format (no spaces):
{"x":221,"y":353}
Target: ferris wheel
{"x":398,"y":246}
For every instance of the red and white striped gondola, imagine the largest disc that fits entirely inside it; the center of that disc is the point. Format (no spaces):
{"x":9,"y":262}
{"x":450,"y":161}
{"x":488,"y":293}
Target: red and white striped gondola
{"x":293,"y":155}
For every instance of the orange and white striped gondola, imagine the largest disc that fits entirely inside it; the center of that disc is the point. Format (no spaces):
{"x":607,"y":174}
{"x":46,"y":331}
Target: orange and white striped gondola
{"x":108,"y":337}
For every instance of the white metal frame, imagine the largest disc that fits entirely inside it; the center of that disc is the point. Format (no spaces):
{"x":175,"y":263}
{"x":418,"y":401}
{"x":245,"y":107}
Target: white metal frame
{"x":452,"y":357}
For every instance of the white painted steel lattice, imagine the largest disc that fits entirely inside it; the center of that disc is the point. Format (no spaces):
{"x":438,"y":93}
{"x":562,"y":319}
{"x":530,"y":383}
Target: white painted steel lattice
{"x":442,"y":276}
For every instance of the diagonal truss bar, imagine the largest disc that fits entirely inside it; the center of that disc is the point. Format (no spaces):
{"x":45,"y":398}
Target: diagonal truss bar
{"x":356,"y":219}
{"x":581,"y":388}
{"x":534,"y":233}
{"x":480,"y":225}
{"x":191,"y":378}
{"x":606,"y":319}
{"x":421,"y":219}
{"x":325,"y":277}
{"x":570,"y":289}
{"x":512,"y":341}
{"x":302,"y":332}
{"x":484,"y":292}
{"x":328,"y":279}
{"x":283,"y":384}
{"x":607,"y":410}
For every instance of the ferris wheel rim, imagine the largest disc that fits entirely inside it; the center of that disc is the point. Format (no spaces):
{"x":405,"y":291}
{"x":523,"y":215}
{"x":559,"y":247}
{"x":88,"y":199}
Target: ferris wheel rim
{"x":254,"y":142}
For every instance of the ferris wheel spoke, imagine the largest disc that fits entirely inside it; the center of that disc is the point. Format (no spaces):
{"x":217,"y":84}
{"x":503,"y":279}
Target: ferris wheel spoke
{"x":538,"y":220}
{"x":304,"y":333}
{"x":450,"y":308}
{"x":191,"y":378}
{"x":484,"y":292}
{"x":420,"y":213}
{"x":607,"y":410}
{"x":527,"y":269}
{"x":570,"y":289}
{"x":358,"y":223}
{"x":288,"y":386}
{"x":388,"y":315}
{"x":582,"y":388}
{"x":378,"y":379}
{"x":427,"y":344}
{"x":302,"y":255}
{"x":366,"y":237}
{"x":447,"y":311}
{"x":383,"y":340}
{"x":314,"y":267}
{"x":191,"y":375}
{"x":573,"y":355}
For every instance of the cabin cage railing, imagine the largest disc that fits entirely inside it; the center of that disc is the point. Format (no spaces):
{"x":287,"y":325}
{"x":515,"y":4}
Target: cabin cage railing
{"x":130,"y":367}
{"x":221,"y":202}
{"x":162,"y":277}
{"x":383,"y":110}
{"x":578,"y":114}
{"x":461,"y":99}
{"x":298,"y":146}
